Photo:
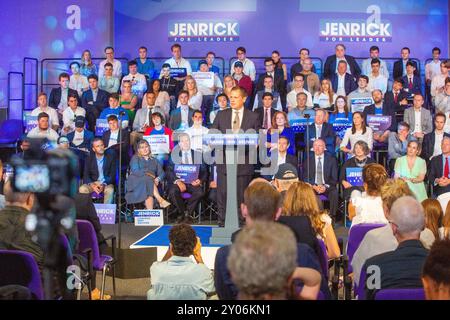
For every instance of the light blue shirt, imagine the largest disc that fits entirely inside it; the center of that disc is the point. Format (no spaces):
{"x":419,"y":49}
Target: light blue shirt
{"x":100,"y":161}
{"x":180,"y":278}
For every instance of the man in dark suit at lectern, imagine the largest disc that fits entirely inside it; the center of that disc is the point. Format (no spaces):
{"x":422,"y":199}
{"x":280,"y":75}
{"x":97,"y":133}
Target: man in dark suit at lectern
{"x":231,"y":121}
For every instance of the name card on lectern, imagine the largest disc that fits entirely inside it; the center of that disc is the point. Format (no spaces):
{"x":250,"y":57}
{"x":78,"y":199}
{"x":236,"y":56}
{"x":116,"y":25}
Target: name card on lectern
{"x":238,"y":139}
{"x":148,"y":217}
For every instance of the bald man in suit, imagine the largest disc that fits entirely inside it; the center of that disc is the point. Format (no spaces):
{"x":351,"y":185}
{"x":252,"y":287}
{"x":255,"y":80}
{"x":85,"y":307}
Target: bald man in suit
{"x":227,"y":121}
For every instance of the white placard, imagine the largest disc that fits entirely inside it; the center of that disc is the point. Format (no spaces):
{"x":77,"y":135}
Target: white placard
{"x":204,"y":79}
{"x":148,"y":217}
{"x":159,"y":143}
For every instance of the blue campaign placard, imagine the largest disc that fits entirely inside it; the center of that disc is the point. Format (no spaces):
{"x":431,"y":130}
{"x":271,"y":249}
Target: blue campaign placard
{"x":101,"y":126}
{"x":379,"y":123}
{"x":106,"y":213}
{"x":178,"y":72}
{"x":354,"y":176}
{"x":30,"y":122}
{"x":340,"y":126}
{"x":358,"y":104}
{"x":187,"y":172}
{"x":299,"y":125}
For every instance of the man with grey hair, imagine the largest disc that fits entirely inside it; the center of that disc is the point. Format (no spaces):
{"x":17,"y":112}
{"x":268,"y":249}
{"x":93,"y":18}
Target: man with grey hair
{"x":402,"y":267}
{"x":263,"y":264}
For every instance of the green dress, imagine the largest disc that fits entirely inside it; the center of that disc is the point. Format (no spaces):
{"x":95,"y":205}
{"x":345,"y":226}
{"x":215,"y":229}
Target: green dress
{"x":130,"y":113}
{"x":402,"y":170}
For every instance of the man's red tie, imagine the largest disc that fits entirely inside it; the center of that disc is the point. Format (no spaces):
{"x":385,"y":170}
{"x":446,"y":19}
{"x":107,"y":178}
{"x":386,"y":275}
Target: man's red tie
{"x":395,"y":97}
{"x":446,"y":168}
{"x":410,"y":86}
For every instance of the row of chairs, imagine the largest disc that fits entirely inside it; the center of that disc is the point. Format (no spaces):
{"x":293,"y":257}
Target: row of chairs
{"x":20,"y":268}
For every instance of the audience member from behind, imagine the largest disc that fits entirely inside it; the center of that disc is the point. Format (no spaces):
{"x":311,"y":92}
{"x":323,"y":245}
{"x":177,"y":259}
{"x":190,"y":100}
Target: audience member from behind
{"x":263,"y":265}
{"x":401,"y":268}
{"x":13,"y":234}
{"x":301,"y":201}
{"x":433,"y":216}
{"x":177,"y":277}
{"x":436,"y":271}
{"x":366,"y":207}
{"x":261,"y":203}
{"x":382,"y":240}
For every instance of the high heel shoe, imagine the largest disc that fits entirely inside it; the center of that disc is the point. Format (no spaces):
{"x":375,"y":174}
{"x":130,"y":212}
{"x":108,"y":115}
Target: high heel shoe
{"x":164,"y":203}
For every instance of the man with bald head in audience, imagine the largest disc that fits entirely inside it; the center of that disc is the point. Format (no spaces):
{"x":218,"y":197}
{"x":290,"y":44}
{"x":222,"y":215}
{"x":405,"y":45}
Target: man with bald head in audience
{"x":401,"y":268}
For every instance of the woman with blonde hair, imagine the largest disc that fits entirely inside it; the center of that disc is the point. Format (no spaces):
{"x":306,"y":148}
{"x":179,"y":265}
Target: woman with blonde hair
{"x":444,"y":231}
{"x":195,"y":96}
{"x":433,"y":215}
{"x":326,"y":97}
{"x":145,"y":175}
{"x":300,"y":200}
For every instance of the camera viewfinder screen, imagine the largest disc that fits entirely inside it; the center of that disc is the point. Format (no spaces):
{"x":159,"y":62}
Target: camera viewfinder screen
{"x":34,"y":178}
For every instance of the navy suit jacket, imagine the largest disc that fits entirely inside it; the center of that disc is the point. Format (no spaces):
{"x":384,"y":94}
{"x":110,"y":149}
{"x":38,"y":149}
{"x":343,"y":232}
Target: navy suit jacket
{"x":417,"y":85}
{"x":389,"y":100}
{"x":436,"y":171}
{"x":327,"y":134}
{"x":222,"y":122}
{"x":428,"y":145}
{"x":330,"y":170}
{"x":101,"y":102}
{"x":175,"y":118}
{"x":55,"y":97}
{"x":278,"y":82}
{"x":91,"y":173}
{"x":330,"y":66}
{"x":260,"y":113}
{"x":398,"y":69}
{"x":87,"y":139}
{"x":387,"y":111}
{"x":349,"y":85}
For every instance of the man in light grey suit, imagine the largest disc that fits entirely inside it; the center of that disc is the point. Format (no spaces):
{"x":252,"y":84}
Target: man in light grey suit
{"x":142,"y":120}
{"x":418,"y":118}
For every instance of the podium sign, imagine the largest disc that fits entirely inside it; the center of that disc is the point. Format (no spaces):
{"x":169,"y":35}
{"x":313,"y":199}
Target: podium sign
{"x":148,"y":217}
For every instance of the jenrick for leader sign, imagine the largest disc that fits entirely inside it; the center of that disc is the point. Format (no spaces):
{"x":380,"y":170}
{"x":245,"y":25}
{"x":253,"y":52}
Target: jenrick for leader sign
{"x":203,"y":31}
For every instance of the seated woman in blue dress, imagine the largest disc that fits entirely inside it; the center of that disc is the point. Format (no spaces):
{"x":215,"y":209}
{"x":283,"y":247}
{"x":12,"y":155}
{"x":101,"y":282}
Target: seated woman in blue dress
{"x":280,"y":125}
{"x":145,"y":175}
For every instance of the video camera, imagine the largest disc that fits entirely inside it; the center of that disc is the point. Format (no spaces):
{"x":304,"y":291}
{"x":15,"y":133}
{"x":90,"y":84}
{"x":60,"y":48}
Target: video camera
{"x":45,"y":171}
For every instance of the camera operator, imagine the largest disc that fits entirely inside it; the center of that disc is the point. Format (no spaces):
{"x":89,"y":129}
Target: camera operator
{"x":13,"y":235}
{"x":100,"y":172}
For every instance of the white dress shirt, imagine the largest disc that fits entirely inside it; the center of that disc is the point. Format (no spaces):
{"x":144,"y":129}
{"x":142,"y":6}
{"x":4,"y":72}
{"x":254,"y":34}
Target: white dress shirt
{"x":69,"y":116}
{"x":52,"y":115}
{"x":138,"y":83}
{"x":50,"y":134}
{"x":113,"y":138}
{"x":418,"y":121}
{"x":117,"y":69}
{"x":437,"y":144}
{"x":185,"y":116}
{"x":432,"y":69}
{"x":379,"y":82}
{"x":437,"y":82}
{"x":341,"y":85}
{"x":79,"y":83}
{"x":196,"y":137}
